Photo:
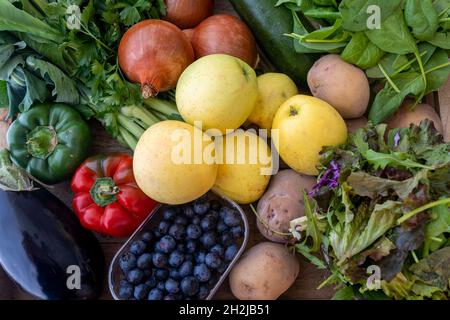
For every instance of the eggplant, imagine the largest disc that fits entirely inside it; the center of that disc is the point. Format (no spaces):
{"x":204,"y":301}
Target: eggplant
{"x":43,"y":247}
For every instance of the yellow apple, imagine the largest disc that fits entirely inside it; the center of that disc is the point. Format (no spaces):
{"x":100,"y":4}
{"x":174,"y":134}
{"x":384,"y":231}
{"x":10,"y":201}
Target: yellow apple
{"x":305,"y":125}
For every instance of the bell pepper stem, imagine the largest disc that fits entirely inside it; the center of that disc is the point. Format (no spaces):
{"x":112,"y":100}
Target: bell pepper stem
{"x":41,"y":142}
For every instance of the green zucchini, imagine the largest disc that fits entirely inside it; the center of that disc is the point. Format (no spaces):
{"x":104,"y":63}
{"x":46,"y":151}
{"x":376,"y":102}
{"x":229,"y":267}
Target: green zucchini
{"x":269,"y":24}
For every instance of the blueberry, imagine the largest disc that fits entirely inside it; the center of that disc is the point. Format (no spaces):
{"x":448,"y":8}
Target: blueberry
{"x":189,"y":286}
{"x":193,"y":231}
{"x":212,"y":260}
{"x":188,"y":212}
{"x":200,"y":257}
{"x":222,"y":268}
{"x":147,"y":273}
{"x":237,"y":232}
{"x":151,"y":282}
{"x":196,"y":220}
{"x":208,"y":239}
{"x":191,"y":246}
{"x":159,"y":260}
{"x":157,"y":234}
{"x":231,"y":252}
{"x":156,"y":247}
{"x":181,"y":220}
{"x":144,"y":261}
{"x":141,"y":292}
{"x":215,"y":204}
{"x":135,"y":276}
{"x":189,"y":257}
{"x":172,"y":286}
{"x":155,"y":294}
{"x":178,"y":231}
{"x":163,"y":227}
{"x":203,"y":293}
{"x":170,"y":297}
{"x":126,"y":291}
{"x":221,"y":227}
{"x":218,"y":249}
{"x":213,"y":214}
{"x":186,"y":269}
{"x":175,"y":274}
{"x":226,"y":238}
{"x":138,"y":247}
{"x":181,"y":247}
{"x":169,"y":214}
{"x":201,"y":206}
{"x":161,"y":286}
{"x":161,"y":274}
{"x":127,"y":262}
{"x":148,"y":236}
{"x":202,"y":273}
{"x":213,"y":280}
{"x":176,"y":258}
{"x":167,"y":244}
{"x":208,"y":223}
{"x":232,"y":218}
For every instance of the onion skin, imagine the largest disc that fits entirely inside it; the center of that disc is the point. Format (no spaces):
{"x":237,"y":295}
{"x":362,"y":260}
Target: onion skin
{"x":154,"y":53}
{"x":225,"y":34}
{"x":189,"y":33}
{"x":188,"y":13}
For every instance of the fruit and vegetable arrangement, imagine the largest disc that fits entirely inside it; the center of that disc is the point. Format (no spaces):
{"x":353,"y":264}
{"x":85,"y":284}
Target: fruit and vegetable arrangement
{"x":338,"y":90}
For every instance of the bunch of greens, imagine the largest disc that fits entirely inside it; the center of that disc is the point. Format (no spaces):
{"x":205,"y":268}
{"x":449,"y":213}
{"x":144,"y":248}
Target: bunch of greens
{"x":66,"y":50}
{"x":383,"y":204}
{"x":407,"y":51}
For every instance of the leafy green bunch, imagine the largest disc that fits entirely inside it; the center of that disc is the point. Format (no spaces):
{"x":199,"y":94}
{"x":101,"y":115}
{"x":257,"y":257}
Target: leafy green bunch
{"x":61,"y":45}
{"x":407,"y":52}
{"x":390,"y":209}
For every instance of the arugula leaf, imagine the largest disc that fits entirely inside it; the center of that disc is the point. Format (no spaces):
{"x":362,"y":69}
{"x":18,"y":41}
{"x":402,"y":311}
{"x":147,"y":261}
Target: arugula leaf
{"x":395,"y":159}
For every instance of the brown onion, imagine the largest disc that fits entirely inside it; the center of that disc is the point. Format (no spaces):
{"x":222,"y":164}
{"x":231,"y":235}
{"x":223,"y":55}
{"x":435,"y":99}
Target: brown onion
{"x":189,"y":33}
{"x":188,"y":13}
{"x":225,"y":34}
{"x":154,"y":53}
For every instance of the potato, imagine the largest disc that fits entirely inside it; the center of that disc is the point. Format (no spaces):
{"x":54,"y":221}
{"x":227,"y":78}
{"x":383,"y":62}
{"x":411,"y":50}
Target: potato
{"x":404,"y":117}
{"x":341,"y":84}
{"x":354,"y":124}
{"x":264,"y":272}
{"x":159,"y":167}
{"x":274,"y":89}
{"x":282,"y":203}
{"x":243,"y":182}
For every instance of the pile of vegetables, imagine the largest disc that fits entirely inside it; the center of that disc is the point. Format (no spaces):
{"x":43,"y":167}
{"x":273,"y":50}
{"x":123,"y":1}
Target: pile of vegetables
{"x":66,"y":51}
{"x":382,"y":204}
{"x":407,"y":53}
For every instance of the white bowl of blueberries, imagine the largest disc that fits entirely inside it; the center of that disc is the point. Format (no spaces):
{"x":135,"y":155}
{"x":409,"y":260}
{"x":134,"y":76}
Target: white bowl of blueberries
{"x":180,"y":252}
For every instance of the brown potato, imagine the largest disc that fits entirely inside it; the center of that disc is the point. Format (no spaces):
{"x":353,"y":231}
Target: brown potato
{"x":264,"y":272}
{"x":404,"y":117}
{"x":282,"y":203}
{"x":355,"y":124}
{"x":341,"y":84}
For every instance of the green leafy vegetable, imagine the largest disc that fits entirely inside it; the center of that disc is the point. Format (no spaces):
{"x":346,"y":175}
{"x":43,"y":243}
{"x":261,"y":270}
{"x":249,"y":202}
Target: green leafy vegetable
{"x":422,"y":18}
{"x":362,"y":52}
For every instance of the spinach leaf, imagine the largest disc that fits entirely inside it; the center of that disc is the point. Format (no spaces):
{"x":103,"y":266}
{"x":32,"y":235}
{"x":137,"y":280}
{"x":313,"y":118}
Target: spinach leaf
{"x":327,"y":13}
{"x":388,"y":100}
{"x":3,"y":94}
{"x":390,"y":62}
{"x":355,"y":12}
{"x":362,"y":52}
{"x":326,"y":3}
{"x":438,"y":77}
{"x":422,"y":18}
{"x":441,"y":40}
{"x":394,"y":35}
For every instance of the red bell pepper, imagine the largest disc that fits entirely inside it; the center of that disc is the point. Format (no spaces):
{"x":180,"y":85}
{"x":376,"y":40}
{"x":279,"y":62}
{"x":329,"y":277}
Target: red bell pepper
{"x":107,"y":199}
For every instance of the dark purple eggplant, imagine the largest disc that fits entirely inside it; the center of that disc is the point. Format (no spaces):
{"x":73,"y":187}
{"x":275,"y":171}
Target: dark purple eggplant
{"x":43,"y":247}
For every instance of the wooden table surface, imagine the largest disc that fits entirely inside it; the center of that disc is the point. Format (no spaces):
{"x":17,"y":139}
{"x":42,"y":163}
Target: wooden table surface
{"x":309,"y":278}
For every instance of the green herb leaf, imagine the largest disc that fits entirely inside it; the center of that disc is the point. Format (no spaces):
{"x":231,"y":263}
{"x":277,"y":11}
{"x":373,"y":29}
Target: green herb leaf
{"x":422,"y":18}
{"x":362,"y":52}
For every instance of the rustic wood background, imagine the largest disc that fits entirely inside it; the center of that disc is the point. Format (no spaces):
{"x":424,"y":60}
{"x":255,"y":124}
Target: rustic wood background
{"x":309,"y":278}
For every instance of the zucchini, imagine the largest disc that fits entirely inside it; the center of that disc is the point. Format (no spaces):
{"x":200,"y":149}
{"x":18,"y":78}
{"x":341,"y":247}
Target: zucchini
{"x":269,"y":24}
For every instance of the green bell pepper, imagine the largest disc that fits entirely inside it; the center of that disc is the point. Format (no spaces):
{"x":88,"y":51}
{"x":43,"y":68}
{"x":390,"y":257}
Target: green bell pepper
{"x":49,"y":141}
